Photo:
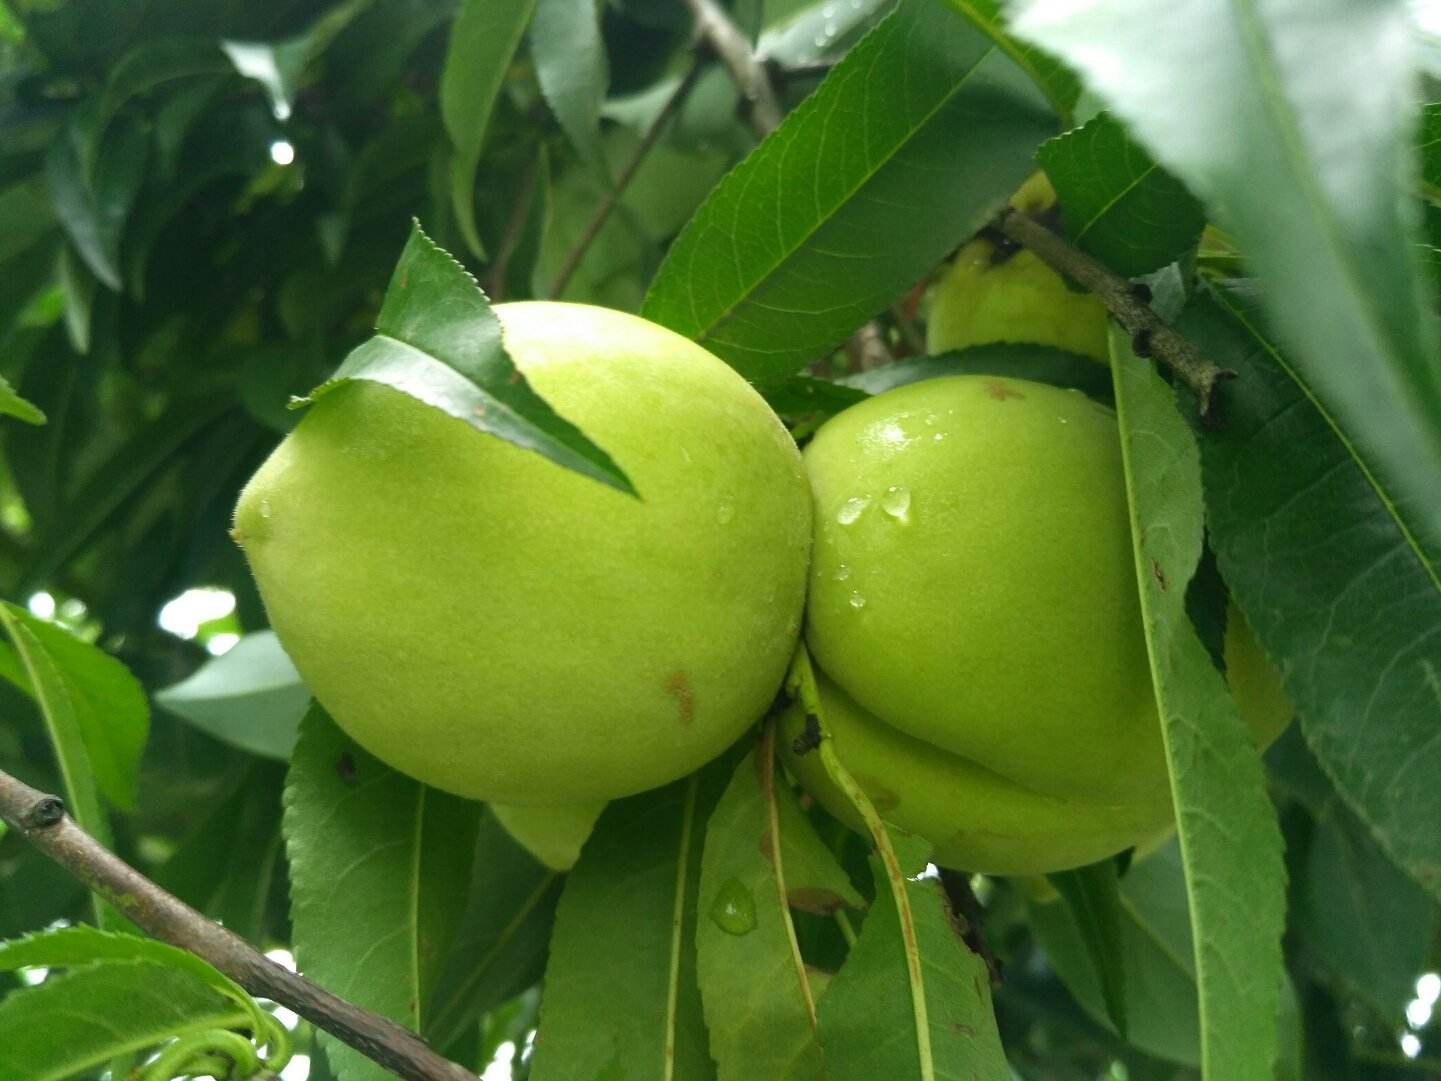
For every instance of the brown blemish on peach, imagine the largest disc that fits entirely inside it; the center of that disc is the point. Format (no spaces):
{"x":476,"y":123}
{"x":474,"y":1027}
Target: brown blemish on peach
{"x":677,"y":685}
{"x":1000,"y":392}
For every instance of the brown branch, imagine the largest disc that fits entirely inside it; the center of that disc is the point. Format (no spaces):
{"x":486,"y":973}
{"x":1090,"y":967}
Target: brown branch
{"x":514,"y":227}
{"x":612,"y":197}
{"x":42,"y":820}
{"x":1151,"y":336}
{"x":719,"y":31}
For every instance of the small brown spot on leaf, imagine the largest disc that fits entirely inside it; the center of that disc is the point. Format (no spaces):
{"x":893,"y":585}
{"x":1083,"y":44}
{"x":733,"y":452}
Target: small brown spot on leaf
{"x":818,"y":901}
{"x":677,"y":685}
{"x":1000,"y":392}
{"x":345,"y":768}
{"x":479,"y":411}
{"x":963,"y":1030}
{"x":767,"y":844}
{"x":1159,"y":575}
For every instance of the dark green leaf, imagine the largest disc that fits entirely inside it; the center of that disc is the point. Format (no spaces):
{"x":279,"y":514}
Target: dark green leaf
{"x":878,"y":1020}
{"x":1430,"y":148}
{"x":803,"y":395}
{"x":142,"y":69}
{"x":1367,"y":923}
{"x":1018,"y":360}
{"x":1117,"y":203}
{"x":251,"y":697}
{"x":620,"y":999}
{"x":1054,"y":78}
{"x":1253,"y":106}
{"x":379,"y":866}
{"x":570,"y":63}
{"x":94,"y":708}
{"x":759,"y":1007}
{"x":500,"y":946}
{"x":1093,"y":896}
{"x":1227,"y":826}
{"x":84,"y":1019}
{"x":439,"y":342}
{"x":230,"y":866}
{"x":859,"y":193}
{"x":1155,"y":952}
{"x":123,"y":476}
{"x":94,"y":209}
{"x":482,"y":43}
{"x":1327,"y":565}
{"x":25,"y":215}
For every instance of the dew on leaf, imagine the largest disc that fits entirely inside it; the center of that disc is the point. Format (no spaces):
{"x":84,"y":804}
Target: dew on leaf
{"x":734,"y":908}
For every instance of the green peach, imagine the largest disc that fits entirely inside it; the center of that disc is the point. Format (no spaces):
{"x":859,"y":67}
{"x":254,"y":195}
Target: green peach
{"x":978,"y":820}
{"x":500,"y":627}
{"x":972,"y":580}
{"x":973,"y":608}
{"x":554,"y":835}
{"x":987,"y":296}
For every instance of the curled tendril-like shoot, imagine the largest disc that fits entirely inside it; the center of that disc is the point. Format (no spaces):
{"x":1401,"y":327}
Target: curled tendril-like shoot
{"x":231,"y":1054}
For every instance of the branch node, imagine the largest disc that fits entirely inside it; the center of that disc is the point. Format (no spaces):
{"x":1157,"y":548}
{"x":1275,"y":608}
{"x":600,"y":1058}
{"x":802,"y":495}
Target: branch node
{"x":1128,"y":303}
{"x":44,"y":813}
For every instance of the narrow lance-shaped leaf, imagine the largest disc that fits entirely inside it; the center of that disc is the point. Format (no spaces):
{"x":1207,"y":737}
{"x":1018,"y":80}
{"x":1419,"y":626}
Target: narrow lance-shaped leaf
{"x":1156,"y":953}
{"x":620,"y":1000}
{"x":12,"y":405}
{"x":93,"y":210}
{"x":94,"y":710}
{"x":912,"y":999}
{"x":439,"y":341}
{"x":1230,"y":841}
{"x":483,"y":41}
{"x":376,"y":859}
{"x":1293,"y":121}
{"x":1117,"y":203}
{"x":759,"y":1005}
{"x":570,"y":64}
{"x":1093,"y":895}
{"x":1321,"y":557}
{"x":912,"y":141}
{"x":1054,"y":78}
{"x":500,"y":943}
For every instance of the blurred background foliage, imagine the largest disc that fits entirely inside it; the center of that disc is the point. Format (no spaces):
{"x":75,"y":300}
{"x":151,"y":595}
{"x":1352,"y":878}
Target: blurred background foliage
{"x":200,"y":207}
